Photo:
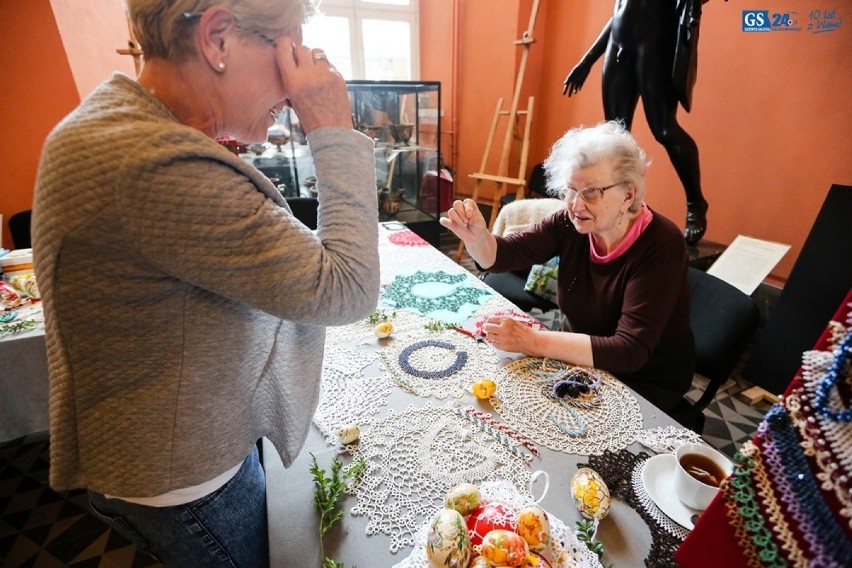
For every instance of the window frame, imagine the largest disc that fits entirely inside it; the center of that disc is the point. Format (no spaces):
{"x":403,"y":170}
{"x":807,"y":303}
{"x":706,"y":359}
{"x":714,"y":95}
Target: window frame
{"x":356,"y":11}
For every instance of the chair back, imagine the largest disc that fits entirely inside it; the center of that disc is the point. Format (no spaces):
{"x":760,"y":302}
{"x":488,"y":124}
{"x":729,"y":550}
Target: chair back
{"x":19,"y":227}
{"x":723,"y":321}
{"x":305,"y":210}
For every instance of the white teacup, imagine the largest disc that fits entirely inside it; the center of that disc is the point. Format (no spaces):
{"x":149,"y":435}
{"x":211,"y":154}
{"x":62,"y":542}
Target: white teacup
{"x":708,"y":467}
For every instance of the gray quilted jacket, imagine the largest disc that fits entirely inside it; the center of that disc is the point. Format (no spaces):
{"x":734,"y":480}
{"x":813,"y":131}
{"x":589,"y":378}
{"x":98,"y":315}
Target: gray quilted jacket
{"x":185,"y":306}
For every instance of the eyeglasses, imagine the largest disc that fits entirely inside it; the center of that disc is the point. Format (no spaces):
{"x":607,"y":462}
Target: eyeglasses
{"x":265,"y":38}
{"x":590,"y":195}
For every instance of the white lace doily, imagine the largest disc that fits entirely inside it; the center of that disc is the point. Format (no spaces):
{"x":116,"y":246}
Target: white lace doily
{"x":564,"y":552}
{"x":667,"y":439}
{"x":404,"y":322}
{"x":347,"y":396}
{"x":480,"y":362}
{"x":610,"y":425}
{"x":648,"y":504}
{"x":413,"y":459}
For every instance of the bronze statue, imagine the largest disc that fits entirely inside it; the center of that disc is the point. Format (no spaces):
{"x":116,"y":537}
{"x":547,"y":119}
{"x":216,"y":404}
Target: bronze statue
{"x":651,"y":49}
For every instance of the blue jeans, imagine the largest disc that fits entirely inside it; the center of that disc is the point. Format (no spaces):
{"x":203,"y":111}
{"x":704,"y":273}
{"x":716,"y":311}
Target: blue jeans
{"x":226,"y":528}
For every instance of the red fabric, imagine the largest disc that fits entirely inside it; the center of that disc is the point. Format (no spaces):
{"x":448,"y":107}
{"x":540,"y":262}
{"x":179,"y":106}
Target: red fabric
{"x":712,"y":542}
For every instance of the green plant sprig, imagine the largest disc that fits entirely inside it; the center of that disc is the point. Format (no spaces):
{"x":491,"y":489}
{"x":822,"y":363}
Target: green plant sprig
{"x":437,"y":325}
{"x":327,"y":494}
{"x":379,"y":316}
{"x":585,"y":532}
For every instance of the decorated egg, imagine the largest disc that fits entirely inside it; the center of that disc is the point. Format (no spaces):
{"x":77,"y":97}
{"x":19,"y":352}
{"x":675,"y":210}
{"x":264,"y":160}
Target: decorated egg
{"x":464,"y":498}
{"x":534,"y":526}
{"x":590,"y":493}
{"x":504,"y":548}
{"x":486,"y":518}
{"x":383,"y":329}
{"x":349,"y":433}
{"x":448,"y":544}
{"x":478,"y":562}
{"x":536,"y":560}
{"x":483,"y":389}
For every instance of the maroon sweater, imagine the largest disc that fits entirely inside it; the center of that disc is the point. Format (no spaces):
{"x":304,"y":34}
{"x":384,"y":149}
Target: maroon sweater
{"x":635,"y":307}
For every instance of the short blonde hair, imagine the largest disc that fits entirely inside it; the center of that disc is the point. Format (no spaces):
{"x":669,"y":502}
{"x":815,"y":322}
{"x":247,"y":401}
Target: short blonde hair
{"x":583,"y":147}
{"x":162,"y":28}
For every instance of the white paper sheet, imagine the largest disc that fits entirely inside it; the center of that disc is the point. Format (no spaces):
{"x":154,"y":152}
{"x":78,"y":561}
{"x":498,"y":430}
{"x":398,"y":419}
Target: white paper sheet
{"x":747,"y":261}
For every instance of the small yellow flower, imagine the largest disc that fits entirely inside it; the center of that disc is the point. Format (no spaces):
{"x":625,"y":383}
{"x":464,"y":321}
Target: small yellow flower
{"x":383,"y":329}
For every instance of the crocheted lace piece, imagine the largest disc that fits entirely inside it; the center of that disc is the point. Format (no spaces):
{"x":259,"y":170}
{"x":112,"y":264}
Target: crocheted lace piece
{"x":413,"y":458}
{"x":617,"y":470}
{"x":667,"y":439}
{"x":396,"y":260}
{"x":650,"y":507}
{"x":404,"y":322}
{"x":407,"y":238}
{"x":564,"y":552}
{"x":481,"y":362}
{"x":437,"y":294}
{"x":611,"y":424}
{"x":347,"y":396}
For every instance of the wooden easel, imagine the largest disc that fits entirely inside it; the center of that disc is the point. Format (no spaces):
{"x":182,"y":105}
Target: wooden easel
{"x":133,"y":49}
{"x":502,"y":178}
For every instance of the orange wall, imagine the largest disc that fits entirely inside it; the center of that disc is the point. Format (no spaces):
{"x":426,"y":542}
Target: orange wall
{"x":42,"y":78}
{"x":768,"y":112}
{"x":768,"y":115}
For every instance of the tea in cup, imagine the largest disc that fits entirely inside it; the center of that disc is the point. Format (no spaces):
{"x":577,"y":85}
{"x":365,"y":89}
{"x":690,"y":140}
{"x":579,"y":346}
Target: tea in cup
{"x":698,"y":473}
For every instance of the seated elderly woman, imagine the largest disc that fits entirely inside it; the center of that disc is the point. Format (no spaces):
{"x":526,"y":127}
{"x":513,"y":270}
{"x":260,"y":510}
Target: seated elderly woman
{"x":622,"y":284}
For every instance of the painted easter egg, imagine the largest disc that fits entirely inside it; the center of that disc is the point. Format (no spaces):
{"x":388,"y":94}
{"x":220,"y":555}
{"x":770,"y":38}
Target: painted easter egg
{"x":349,"y":433}
{"x":448,"y":544}
{"x":536,"y":560}
{"x":486,"y":518}
{"x":504,"y":548}
{"x":383,"y":329}
{"x":483,"y":389}
{"x":534,"y":526}
{"x":590,"y":493}
{"x":464,"y":498}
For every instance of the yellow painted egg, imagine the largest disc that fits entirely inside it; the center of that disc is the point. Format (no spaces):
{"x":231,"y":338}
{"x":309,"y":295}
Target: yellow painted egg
{"x":534,"y":526}
{"x":464,"y":498}
{"x":590,"y":493}
{"x":504,"y":548}
{"x":536,"y":560}
{"x":448,"y":544}
{"x":383,"y":329}
{"x":483,"y":389}
{"x":349,"y":433}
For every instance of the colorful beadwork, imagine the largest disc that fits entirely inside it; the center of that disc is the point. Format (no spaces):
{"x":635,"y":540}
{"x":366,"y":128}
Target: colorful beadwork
{"x":400,"y":293}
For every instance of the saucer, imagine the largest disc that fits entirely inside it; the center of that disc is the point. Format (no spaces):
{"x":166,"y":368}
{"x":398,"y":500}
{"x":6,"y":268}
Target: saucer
{"x":658,"y":478}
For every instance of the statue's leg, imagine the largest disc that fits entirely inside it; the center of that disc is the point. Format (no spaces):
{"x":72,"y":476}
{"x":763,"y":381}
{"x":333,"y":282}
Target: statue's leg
{"x":661,"y":111}
{"x":620,"y":86}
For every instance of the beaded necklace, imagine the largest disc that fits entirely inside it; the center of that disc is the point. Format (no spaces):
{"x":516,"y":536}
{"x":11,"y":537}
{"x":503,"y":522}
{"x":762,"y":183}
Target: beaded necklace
{"x":839,"y":367}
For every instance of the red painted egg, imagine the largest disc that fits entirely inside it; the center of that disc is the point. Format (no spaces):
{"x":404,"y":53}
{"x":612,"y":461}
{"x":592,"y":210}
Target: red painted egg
{"x":486,"y":518}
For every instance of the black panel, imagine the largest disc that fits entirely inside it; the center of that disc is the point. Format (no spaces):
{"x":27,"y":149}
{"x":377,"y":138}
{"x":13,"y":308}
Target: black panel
{"x":820,"y":279}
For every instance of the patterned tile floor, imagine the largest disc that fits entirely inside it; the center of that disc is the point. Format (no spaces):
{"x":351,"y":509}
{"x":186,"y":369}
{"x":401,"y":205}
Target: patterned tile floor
{"x":40,"y":528}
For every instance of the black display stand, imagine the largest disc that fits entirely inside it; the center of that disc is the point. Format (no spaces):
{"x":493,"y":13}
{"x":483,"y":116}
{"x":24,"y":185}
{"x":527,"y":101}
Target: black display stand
{"x":820,"y":279}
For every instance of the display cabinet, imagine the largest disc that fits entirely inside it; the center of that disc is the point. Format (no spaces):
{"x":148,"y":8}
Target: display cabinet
{"x":403,"y":118}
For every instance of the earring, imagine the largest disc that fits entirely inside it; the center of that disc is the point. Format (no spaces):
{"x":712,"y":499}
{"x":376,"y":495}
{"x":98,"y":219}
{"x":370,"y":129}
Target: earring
{"x":221,"y":66}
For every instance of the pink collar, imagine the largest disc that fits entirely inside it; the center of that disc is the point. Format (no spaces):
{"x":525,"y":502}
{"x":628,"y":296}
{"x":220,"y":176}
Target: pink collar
{"x":639,"y":226}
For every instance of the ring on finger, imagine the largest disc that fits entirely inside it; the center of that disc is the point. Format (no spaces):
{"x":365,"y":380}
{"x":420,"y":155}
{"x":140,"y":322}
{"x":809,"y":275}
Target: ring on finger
{"x":320,"y":56}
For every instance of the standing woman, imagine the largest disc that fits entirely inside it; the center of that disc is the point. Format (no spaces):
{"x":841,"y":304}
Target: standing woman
{"x":185,"y":305}
{"x":622,"y":280}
